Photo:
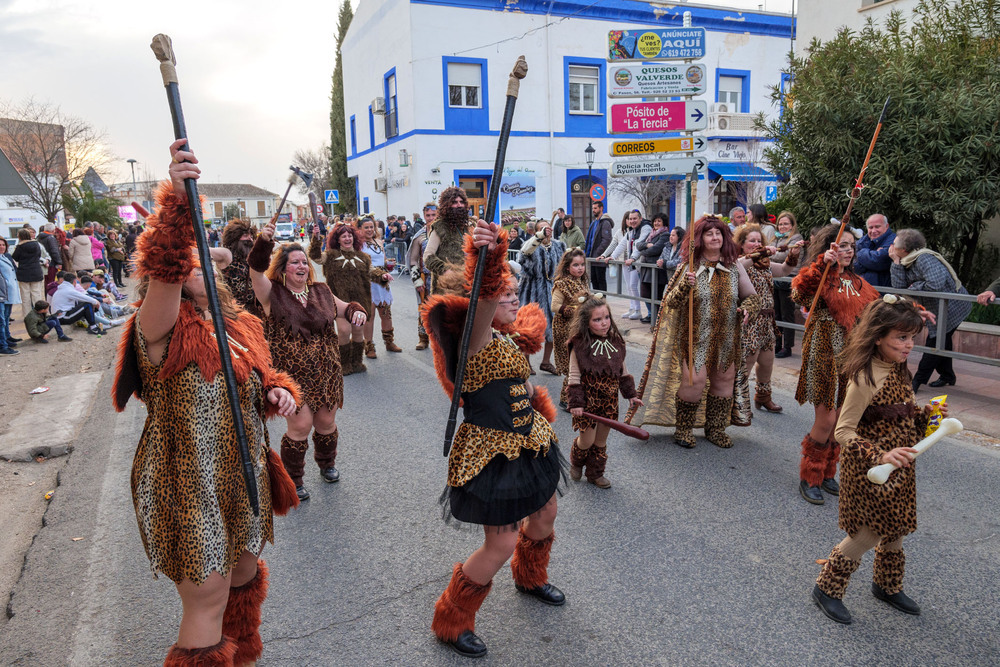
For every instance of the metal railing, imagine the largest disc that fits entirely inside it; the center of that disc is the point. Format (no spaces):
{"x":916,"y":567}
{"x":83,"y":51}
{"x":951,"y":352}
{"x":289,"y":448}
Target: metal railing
{"x":941,"y":314}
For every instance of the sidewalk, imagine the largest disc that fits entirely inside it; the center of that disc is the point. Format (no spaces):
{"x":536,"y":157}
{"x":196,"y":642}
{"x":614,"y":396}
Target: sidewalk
{"x":974,"y":400}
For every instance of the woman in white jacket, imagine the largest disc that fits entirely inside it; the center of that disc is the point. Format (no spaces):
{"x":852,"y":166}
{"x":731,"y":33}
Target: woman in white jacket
{"x":635,"y":231}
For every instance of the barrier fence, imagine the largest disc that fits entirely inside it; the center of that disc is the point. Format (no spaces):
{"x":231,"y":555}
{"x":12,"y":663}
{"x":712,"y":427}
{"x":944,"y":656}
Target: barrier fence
{"x":941,"y":314}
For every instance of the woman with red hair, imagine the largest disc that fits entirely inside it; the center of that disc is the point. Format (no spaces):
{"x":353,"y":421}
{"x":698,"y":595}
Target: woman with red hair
{"x":347,"y":270}
{"x":724,"y":299}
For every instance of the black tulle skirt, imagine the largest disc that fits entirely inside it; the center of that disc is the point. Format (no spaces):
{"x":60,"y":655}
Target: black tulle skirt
{"x":505,"y":491}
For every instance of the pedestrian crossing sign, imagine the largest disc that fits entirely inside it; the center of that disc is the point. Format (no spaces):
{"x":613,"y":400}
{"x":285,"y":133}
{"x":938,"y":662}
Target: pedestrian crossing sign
{"x":331,"y":196}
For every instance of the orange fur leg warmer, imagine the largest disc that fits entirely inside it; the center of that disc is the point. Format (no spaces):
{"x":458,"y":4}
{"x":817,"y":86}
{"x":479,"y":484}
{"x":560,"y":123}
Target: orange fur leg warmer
{"x":283,"y":496}
{"x":530,"y":562}
{"x":455,"y":611}
{"x":241,"y":620}
{"x":813,"y":463}
{"x":220,"y":655}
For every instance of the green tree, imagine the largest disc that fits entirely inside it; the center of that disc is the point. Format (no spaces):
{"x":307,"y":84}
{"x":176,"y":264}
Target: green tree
{"x":338,"y":136}
{"x":81,"y":203}
{"x":936,"y":166}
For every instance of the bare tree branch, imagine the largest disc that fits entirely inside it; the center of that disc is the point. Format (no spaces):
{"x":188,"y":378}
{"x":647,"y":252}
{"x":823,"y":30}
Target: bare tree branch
{"x":50,"y":150}
{"x":316,"y":162}
{"x":649,"y":192}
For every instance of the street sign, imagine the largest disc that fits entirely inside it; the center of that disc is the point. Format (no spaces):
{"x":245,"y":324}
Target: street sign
{"x":659,"y":44}
{"x":659,"y":116}
{"x":694,"y":144}
{"x":770,"y":193}
{"x":656,"y":80}
{"x":677,"y":166}
{"x":331,"y":196}
{"x":597,"y":192}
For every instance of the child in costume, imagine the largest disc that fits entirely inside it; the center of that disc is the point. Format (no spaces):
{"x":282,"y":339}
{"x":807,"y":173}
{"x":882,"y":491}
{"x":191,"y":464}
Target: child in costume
{"x":570,"y":284}
{"x":190,"y":499}
{"x":879,"y":423}
{"x":596,"y":375}
{"x":504,"y":467}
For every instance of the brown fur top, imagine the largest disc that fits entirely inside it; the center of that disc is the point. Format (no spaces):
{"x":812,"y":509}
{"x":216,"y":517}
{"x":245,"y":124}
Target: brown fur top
{"x":193,"y":342}
{"x":320,"y":316}
{"x":844,"y":306}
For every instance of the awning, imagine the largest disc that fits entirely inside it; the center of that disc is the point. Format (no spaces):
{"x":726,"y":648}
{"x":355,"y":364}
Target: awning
{"x":739,"y":171}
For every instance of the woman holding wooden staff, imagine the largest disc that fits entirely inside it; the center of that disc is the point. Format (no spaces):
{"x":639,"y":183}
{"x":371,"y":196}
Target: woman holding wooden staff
{"x":193,"y":510}
{"x":718,"y":298}
{"x":879,"y":423}
{"x":301,"y":318}
{"x":504,"y":466}
{"x":821,"y":382}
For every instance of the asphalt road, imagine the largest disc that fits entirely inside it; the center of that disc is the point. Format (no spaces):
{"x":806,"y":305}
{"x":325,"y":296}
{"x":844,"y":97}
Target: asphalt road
{"x":703,"y":556}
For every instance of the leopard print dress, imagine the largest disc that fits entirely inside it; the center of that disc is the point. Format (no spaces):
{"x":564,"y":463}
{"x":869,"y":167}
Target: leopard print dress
{"x":570,"y":288}
{"x":304,"y":344}
{"x":759,"y":333}
{"x":187,"y":486}
{"x":891,"y":420}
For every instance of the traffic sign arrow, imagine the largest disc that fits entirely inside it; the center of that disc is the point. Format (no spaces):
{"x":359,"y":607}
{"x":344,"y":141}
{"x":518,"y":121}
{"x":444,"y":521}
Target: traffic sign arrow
{"x":700,"y":163}
{"x":699,"y":143}
{"x":696,"y":114}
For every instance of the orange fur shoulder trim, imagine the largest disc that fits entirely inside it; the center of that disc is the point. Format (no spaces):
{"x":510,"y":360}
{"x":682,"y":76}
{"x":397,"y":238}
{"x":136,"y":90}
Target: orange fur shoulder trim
{"x":542,"y":402}
{"x":497,"y":273}
{"x":528,"y":330}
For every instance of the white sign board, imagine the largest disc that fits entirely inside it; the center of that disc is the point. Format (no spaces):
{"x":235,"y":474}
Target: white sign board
{"x":656,"y":80}
{"x":677,"y":166}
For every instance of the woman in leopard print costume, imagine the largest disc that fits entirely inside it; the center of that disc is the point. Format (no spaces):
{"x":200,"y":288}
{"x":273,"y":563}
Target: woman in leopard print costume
{"x":190,"y":499}
{"x":821,"y":383}
{"x":504,"y":467}
{"x":347,"y":271}
{"x":301,"y":318}
{"x":879,"y":423}
{"x":724,"y":300}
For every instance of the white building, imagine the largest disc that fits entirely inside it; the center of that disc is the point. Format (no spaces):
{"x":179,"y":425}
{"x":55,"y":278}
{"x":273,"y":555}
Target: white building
{"x":822,"y":19}
{"x":13,"y":192}
{"x":425,"y":83}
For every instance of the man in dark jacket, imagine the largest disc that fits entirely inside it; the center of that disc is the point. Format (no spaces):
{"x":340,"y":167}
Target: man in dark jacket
{"x":871,"y":256}
{"x":598,"y":239}
{"x":51,"y":245}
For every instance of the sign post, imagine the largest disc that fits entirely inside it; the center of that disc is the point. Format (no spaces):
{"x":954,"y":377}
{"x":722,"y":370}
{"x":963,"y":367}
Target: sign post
{"x":676,"y":166}
{"x":694,"y":144}
{"x":659,"y":116}
{"x":656,"y":80}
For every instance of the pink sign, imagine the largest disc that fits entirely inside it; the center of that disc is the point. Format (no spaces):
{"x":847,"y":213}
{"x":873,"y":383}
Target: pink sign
{"x":658,"y":116}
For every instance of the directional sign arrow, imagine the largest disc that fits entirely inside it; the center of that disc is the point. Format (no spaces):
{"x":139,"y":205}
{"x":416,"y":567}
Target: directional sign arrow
{"x":699,"y":143}
{"x":696,"y":114}
{"x":700,"y":163}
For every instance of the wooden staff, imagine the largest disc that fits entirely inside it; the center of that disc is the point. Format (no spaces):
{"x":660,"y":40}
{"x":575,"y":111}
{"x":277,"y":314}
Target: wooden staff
{"x":855,"y":192}
{"x":694,"y":192}
{"x":513,"y":84}
{"x":626,"y":429}
{"x":163,"y":49}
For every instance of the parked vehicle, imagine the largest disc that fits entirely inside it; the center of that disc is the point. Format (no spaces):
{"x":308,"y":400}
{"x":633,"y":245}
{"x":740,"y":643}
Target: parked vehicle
{"x":284,"y":231}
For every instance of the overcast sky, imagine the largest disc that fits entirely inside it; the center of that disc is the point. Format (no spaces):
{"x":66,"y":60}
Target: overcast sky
{"x":254,"y":76}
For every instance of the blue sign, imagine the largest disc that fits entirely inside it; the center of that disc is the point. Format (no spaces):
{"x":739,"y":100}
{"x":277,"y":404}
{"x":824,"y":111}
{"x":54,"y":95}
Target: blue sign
{"x":657,"y":44}
{"x":771,"y":193}
{"x":597,"y":192}
{"x":331,"y":196}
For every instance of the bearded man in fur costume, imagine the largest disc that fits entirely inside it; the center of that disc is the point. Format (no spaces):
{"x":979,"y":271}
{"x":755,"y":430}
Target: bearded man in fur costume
{"x":238,"y":238}
{"x":444,"y":253}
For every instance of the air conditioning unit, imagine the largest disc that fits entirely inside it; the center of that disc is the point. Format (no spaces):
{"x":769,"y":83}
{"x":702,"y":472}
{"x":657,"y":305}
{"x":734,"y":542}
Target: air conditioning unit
{"x":378,"y":105}
{"x":718,"y":108}
{"x":381,"y":184}
{"x":722,"y":122}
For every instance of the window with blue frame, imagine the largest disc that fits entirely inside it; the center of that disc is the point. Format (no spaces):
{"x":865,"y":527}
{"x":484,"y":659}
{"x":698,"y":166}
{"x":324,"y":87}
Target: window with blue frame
{"x":732,"y":88}
{"x":466,"y":95}
{"x":391,"y":116}
{"x":585,"y":96}
{"x":354,"y":136}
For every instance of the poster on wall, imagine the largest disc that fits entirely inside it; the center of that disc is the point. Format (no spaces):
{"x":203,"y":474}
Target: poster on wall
{"x":517,"y":196}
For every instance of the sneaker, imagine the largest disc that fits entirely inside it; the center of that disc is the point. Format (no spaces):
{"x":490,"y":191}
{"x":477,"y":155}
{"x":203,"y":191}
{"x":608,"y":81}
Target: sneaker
{"x":633,"y":315}
{"x":628,"y":315}
{"x":117,"y":322}
{"x":9,"y":350}
{"x":64,"y":339}
{"x":95,"y":329}
{"x":42,"y":340}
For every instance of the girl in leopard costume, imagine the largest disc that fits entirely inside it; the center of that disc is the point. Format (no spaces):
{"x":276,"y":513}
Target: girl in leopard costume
{"x":504,"y":466}
{"x":879,"y":423}
{"x":570,"y":284}
{"x":596,"y":375}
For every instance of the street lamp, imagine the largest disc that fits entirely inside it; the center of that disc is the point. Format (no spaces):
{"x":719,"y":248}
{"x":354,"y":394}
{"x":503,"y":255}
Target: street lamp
{"x":131,"y":162}
{"x":589,"y":150}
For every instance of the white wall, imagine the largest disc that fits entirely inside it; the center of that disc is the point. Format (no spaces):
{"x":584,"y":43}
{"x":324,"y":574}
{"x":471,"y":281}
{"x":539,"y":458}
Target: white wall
{"x":823,"y":18}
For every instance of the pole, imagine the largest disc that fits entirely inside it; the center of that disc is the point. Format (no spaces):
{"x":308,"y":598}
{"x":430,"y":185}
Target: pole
{"x":513,"y":84}
{"x":163,"y":49}
{"x":855,"y":193}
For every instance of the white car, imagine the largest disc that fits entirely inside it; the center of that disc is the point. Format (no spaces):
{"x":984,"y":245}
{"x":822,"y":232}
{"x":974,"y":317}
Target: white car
{"x":284,"y":231}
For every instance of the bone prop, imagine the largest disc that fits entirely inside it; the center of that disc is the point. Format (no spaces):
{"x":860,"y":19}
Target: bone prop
{"x":879,"y":474}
